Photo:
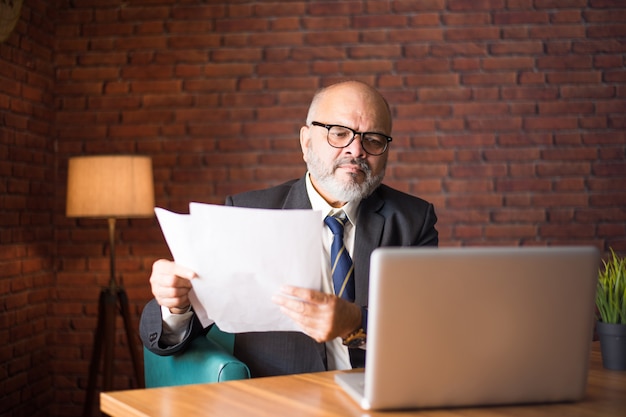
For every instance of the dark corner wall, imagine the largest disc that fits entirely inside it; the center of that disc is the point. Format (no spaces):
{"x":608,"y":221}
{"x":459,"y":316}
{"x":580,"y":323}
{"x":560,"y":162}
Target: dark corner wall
{"x":28,"y":210}
{"x":509,"y":115}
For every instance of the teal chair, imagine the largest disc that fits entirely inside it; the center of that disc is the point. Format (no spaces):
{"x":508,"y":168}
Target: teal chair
{"x":207,"y":359}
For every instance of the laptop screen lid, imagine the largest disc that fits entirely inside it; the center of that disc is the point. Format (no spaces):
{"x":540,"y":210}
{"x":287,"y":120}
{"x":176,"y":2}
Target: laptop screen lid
{"x":455,"y":327}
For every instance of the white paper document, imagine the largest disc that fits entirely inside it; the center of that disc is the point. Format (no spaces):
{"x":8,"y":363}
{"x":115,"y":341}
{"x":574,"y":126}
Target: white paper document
{"x":242,"y":257}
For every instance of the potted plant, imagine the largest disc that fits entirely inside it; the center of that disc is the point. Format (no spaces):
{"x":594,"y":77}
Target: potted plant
{"x":611,"y":303}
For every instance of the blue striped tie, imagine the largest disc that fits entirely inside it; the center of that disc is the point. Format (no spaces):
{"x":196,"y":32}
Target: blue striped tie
{"x":342,"y":268}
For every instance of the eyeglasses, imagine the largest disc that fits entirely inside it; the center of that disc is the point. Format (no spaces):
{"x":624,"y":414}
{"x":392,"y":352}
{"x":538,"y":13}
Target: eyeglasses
{"x":340,"y":137}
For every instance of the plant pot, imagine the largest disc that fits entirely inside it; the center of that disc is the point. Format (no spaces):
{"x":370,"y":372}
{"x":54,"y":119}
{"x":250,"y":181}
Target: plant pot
{"x":612,"y":345}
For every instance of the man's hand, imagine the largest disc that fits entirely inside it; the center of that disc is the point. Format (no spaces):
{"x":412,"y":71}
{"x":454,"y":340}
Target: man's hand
{"x":171,"y":284}
{"x":322,"y":316}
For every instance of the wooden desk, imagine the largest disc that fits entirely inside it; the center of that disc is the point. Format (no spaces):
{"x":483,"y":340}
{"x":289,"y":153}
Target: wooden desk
{"x":318,"y":395}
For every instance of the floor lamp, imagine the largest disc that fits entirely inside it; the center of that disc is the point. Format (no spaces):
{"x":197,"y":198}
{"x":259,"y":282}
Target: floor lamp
{"x":111,"y":187}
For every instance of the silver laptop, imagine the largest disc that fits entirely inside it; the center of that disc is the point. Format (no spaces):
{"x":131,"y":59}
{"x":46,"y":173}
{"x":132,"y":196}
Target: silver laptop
{"x":454,"y":327}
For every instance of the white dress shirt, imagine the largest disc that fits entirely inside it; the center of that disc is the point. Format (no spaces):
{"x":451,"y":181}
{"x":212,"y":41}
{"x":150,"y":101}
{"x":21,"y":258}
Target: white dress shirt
{"x":337,"y":354}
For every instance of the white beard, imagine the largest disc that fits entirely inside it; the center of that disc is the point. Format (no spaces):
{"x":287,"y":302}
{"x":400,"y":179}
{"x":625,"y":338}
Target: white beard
{"x":349,"y":191}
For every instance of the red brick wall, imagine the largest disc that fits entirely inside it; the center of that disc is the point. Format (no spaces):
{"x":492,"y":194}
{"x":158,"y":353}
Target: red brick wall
{"x":509,"y":116}
{"x":27,"y":213}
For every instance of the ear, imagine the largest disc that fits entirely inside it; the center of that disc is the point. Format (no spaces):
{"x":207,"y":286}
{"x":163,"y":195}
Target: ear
{"x":305,"y":138}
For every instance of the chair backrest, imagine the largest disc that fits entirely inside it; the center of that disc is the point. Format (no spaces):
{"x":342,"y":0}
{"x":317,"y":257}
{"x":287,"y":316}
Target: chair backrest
{"x":225,"y":340}
{"x":207,"y":359}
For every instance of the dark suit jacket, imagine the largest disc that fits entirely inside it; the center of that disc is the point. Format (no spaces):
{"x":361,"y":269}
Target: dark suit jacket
{"x":386,"y":218}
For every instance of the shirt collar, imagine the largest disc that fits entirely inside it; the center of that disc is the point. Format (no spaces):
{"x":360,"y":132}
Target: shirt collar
{"x":318,"y":203}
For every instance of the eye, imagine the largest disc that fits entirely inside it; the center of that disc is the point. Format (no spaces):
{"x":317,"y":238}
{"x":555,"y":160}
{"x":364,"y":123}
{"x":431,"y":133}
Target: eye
{"x":340,"y":132}
{"x":375,"y":141}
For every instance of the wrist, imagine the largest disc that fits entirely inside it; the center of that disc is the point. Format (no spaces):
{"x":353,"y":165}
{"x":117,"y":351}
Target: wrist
{"x":180,"y":310}
{"x":354,"y":322}
{"x":358,"y":336}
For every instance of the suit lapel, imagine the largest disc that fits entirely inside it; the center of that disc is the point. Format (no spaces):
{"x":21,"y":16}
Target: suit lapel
{"x":297,"y":198}
{"x":369,"y":230}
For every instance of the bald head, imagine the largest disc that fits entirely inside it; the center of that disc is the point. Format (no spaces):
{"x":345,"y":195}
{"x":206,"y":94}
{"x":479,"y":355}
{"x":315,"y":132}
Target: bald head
{"x":355,"y":96}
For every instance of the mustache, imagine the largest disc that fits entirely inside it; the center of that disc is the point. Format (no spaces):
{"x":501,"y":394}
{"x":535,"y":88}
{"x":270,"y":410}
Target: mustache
{"x":360,"y":163}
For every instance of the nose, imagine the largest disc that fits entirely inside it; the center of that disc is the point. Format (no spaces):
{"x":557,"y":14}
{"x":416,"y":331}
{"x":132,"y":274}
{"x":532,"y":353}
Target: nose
{"x":355,"y":148}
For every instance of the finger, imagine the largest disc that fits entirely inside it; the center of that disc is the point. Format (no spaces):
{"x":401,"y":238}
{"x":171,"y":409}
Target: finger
{"x":307,"y":323}
{"x":289,"y":303}
{"x":182,"y":272}
{"x":174,"y":302}
{"x":309,"y":316}
{"x":311,"y":326}
{"x":172,"y":292}
{"x":304,"y":294}
{"x":165,"y":267}
{"x":169,"y":285}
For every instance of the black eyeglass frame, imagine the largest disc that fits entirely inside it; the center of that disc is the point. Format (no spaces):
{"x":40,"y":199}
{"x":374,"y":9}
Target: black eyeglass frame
{"x":354,"y":133}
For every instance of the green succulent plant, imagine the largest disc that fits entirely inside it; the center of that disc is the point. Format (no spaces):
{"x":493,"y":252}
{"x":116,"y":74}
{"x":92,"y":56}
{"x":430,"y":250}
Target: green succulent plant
{"x":611,"y":290}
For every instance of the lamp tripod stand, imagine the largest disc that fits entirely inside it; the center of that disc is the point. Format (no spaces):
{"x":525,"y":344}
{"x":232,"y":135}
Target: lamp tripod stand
{"x":112,"y":298}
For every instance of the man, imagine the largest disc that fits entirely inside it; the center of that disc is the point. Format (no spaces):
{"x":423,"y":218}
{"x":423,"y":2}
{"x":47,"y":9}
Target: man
{"x":345,"y":145}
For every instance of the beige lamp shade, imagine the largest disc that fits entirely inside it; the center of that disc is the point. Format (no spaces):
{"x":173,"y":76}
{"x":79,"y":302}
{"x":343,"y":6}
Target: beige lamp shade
{"x":110,"y":186}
